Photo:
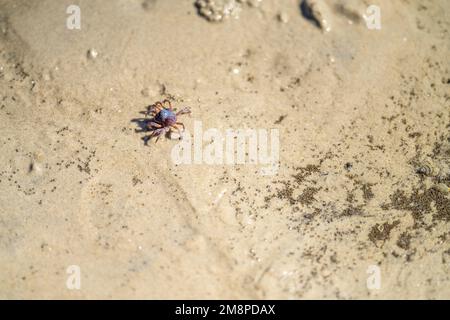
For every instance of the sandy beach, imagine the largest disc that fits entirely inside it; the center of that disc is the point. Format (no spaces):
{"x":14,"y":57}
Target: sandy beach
{"x":355,"y":205}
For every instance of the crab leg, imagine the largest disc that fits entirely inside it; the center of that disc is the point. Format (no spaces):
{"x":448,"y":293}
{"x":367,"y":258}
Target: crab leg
{"x":184,"y":111}
{"x":153,"y":124}
{"x":154,"y":109}
{"x":181,"y":124}
{"x":157,"y":133}
{"x":178,"y":130}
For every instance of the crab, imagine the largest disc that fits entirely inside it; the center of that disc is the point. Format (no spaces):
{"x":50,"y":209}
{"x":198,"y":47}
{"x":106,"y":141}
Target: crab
{"x":164,"y":119}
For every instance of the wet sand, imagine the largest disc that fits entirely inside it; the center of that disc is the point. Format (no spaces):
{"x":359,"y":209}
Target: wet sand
{"x":363,"y":118}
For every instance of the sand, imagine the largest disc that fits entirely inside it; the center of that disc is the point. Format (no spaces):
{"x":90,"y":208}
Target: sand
{"x":363,"y":119}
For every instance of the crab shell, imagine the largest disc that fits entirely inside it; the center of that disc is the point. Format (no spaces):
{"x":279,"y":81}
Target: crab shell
{"x":166,"y":117}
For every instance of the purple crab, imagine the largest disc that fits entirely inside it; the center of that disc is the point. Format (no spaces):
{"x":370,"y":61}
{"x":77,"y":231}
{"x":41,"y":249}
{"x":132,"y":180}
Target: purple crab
{"x":164,"y":119}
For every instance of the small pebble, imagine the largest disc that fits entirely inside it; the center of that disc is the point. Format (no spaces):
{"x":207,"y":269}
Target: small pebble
{"x":426,"y":169}
{"x":235,"y":70}
{"x":46,"y":76}
{"x":283,"y":17}
{"x":92,"y":54}
{"x":218,"y":10}
{"x":35,"y":168}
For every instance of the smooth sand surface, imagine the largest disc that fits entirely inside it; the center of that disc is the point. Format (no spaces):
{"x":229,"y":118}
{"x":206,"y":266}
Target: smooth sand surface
{"x":363,"y":118}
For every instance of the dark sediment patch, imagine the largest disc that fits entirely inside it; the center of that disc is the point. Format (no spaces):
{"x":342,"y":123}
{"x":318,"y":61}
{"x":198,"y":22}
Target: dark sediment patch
{"x":381,"y":232}
{"x":420,"y":203}
{"x":404,"y":241}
